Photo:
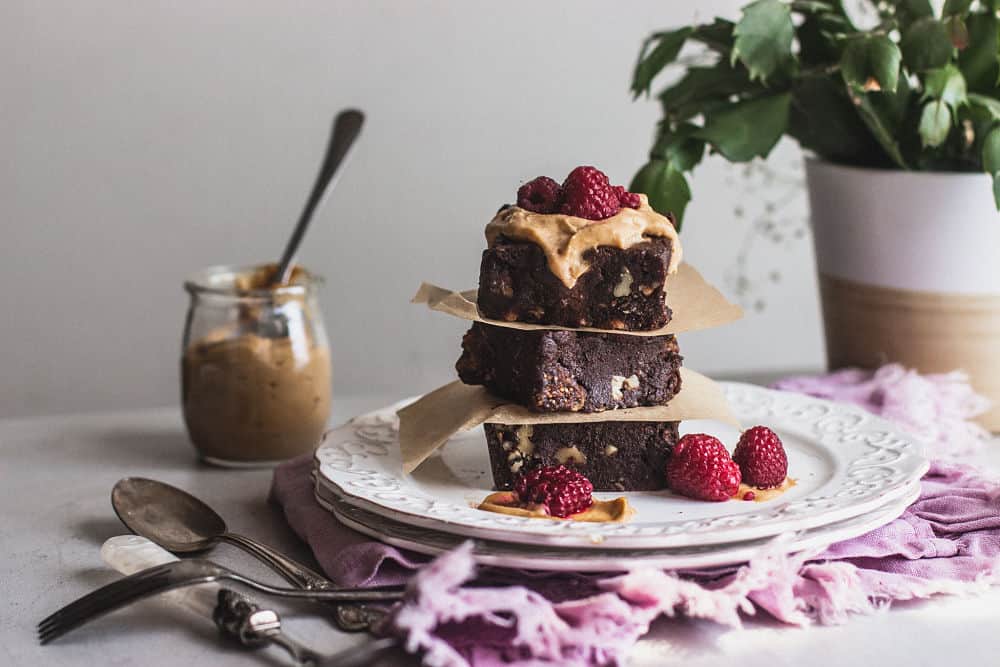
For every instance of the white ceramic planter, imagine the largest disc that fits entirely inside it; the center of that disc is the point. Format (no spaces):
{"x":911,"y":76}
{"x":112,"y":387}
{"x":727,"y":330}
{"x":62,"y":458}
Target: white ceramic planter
{"x":909,"y":267}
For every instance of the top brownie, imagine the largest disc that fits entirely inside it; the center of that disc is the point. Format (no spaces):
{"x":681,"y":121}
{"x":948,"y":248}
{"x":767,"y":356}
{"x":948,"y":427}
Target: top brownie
{"x":623,"y":289}
{"x":582,"y":254}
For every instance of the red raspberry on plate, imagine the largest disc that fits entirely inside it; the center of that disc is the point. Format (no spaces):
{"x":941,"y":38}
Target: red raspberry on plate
{"x":540,"y":195}
{"x":761,"y":458}
{"x":625,"y":198}
{"x":587,"y":193}
{"x":560,"y":490}
{"x":700,"y":467}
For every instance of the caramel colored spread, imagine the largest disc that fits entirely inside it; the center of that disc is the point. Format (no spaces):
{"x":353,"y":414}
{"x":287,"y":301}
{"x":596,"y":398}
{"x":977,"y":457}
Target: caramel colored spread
{"x":565,"y":239}
{"x":262,"y":276}
{"x":762,"y":495}
{"x":257,"y":388}
{"x":506,"y":502}
{"x":252,"y":398}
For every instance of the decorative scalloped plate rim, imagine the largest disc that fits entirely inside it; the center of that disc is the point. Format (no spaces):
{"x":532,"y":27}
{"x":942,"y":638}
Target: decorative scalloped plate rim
{"x":847,"y":462}
{"x":563,"y":559}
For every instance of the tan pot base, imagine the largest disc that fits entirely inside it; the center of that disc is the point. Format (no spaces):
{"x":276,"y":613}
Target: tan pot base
{"x":934,"y":333}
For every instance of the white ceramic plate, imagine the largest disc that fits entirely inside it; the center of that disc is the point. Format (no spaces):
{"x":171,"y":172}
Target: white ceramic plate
{"x":560,"y":559}
{"x":846,"y":461}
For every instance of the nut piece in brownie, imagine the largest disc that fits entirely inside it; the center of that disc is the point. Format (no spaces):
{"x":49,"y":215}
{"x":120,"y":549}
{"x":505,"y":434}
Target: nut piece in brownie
{"x":559,"y":371}
{"x":614,"y":456}
{"x":622,"y":288}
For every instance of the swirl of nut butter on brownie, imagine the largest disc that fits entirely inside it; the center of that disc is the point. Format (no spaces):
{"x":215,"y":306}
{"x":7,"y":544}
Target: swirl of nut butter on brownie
{"x":566,"y":239}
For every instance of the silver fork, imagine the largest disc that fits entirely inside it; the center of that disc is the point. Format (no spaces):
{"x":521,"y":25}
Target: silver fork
{"x":177,"y":575}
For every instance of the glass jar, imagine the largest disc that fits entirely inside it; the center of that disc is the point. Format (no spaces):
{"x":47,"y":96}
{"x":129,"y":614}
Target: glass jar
{"x":255,"y":366}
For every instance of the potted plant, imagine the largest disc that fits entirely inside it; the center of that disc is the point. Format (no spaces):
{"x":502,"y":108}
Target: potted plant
{"x":900,"y":121}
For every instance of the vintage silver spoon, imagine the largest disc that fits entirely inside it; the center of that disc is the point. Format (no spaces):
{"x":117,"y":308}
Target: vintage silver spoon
{"x":346,"y":128}
{"x":181,"y":523}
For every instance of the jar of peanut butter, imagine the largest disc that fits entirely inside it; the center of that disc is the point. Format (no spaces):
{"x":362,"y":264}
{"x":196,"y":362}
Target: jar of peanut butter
{"x":255,"y":366}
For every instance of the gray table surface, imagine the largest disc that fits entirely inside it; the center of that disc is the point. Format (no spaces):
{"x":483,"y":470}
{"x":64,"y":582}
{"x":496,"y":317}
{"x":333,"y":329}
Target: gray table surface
{"x":55,"y":479}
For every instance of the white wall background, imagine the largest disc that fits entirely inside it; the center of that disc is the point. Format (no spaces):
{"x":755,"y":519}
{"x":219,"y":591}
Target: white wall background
{"x":142,"y":141}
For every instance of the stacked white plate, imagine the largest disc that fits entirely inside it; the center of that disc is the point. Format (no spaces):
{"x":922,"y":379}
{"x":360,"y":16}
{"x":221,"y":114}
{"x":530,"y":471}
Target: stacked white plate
{"x":854,"y":472}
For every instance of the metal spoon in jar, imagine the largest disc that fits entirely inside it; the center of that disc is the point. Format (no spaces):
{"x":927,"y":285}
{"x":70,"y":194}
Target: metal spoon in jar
{"x":181,"y":523}
{"x":346,"y":128}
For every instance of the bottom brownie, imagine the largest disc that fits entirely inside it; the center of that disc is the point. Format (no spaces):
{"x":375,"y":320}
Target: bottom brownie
{"x":614,"y":456}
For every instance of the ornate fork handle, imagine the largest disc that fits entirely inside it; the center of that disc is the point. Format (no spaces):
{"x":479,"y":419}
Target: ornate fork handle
{"x":293,"y":571}
{"x":241,"y":619}
{"x":348,"y":617}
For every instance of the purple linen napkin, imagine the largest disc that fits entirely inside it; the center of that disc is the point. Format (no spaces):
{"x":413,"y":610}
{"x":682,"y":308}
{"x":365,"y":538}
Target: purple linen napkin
{"x":947,"y":542}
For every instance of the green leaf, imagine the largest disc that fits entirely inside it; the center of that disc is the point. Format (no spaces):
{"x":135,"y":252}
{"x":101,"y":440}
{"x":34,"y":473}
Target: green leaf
{"x":871,"y":63}
{"x":811,"y":7}
{"x":979,"y":61}
{"x":908,"y":11}
{"x":764,"y":38}
{"x":823,"y":120}
{"x":987,"y":104}
{"x":891,"y":108}
{"x":665,"y":186}
{"x":679,"y":146}
{"x":881,"y":116}
{"x":926,"y":45}
{"x":991,"y":152}
{"x":747,"y":129}
{"x":991,"y":160}
{"x":935,"y":123}
{"x":946,"y":84}
{"x":687,"y":97}
{"x":816,"y":46}
{"x":717,"y":35}
{"x":668,"y":45}
{"x":953,"y":7}
{"x":836,"y":25}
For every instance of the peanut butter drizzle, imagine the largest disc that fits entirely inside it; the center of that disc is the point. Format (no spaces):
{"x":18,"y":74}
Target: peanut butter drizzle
{"x":762,"y":495}
{"x":602,"y":511}
{"x":565,"y":239}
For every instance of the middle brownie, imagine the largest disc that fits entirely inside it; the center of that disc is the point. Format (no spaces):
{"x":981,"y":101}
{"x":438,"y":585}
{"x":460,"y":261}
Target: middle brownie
{"x":568,"y":371}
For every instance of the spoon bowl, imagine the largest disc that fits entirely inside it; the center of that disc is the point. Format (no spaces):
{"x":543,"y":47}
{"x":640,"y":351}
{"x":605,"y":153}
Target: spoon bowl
{"x":166,"y":515}
{"x":181,"y":523}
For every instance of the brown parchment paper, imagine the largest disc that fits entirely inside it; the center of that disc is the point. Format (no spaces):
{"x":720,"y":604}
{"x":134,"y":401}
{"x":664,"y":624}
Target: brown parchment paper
{"x":695,"y":304}
{"x":430,"y":421}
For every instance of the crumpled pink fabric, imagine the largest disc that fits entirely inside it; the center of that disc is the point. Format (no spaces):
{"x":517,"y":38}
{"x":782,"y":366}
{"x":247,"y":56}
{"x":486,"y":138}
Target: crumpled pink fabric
{"x":947,"y":542}
{"x":934,"y":408}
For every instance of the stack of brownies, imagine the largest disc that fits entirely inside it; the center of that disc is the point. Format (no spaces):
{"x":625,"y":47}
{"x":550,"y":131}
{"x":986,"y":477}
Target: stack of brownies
{"x":590,"y":260}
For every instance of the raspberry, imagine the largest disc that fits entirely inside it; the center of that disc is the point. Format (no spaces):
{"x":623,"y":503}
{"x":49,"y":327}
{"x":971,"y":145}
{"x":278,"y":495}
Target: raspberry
{"x":541,"y":195}
{"x":587,"y":193}
{"x":626,"y":199}
{"x":761,"y":458}
{"x":557,"y":488}
{"x":700,"y":468}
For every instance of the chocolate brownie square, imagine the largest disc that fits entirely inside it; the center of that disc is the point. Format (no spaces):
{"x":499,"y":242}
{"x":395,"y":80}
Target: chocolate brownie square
{"x":622,"y":289}
{"x":614,"y":456}
{"x":559,"y":371}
